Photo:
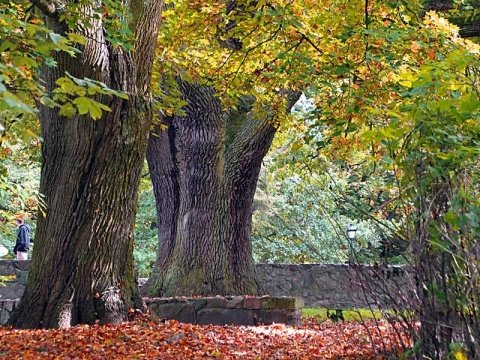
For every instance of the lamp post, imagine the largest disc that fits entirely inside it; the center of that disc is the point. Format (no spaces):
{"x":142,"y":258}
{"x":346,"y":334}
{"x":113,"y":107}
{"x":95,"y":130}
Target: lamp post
{"x":351,"y":232}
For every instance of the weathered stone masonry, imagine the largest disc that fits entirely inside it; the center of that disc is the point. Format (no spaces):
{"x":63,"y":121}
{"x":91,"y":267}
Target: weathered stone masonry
{"x":335,"y":286}
{"x":319,"y":285}
{"x":11,"y":293}
{"x":228,"y":310}
{"x":19,"y":271}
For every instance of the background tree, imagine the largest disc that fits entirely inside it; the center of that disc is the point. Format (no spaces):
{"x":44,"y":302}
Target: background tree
{"x":464,"y":14}
{"x":209,"y":159}
{"x":204,"y":170}
{"x":146,"y":233}
{"x":82,"y":266}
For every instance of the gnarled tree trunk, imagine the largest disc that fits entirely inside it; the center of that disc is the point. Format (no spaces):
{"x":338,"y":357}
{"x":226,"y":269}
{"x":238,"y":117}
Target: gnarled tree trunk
{"x":204,"y":171}
{"x":82,"y":265}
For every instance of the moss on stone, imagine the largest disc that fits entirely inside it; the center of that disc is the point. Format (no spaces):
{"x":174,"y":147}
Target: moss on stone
{"x":279,"y":303}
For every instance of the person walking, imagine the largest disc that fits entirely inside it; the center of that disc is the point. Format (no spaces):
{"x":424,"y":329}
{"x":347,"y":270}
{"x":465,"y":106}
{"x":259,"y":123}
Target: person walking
{"x":22,"y":245}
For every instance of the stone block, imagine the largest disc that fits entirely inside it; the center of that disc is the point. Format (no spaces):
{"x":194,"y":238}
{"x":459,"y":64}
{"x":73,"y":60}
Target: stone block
{"x":23,"y":277}
{"x":199,"y":303}
{"x":148,"y":301}
{"x":287,"y":303}
{"x":12,"y":291}
{"x":6,"y":308}
{"x":179,"y":311}
{"x":4,"y":316}
{"x":216,"y":302}
{"x":160,"y":301}
{"x":8,"y":305}
{"x":268,"y":317}
{"x":252,"y":303}
{"x":235,"y":303}
{"x":217,"y":316}
{"x":22,"y":264}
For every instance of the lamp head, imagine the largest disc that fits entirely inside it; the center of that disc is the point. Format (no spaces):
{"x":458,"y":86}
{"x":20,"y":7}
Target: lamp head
{"x":351,"y":231}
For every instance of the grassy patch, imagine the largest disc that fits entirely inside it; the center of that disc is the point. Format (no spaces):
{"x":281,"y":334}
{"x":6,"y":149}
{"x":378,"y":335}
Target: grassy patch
{"x":348,"y":314}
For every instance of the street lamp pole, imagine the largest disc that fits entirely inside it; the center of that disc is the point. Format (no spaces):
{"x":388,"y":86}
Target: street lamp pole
{"x":351,"y":232}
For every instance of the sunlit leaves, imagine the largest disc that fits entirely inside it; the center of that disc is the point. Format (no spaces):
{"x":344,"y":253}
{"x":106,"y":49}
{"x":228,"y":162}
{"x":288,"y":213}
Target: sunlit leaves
{"x":26,"y":45}
{"x":113,"y":15}
{"x":286,"y":44}
{"x":73,"y":95}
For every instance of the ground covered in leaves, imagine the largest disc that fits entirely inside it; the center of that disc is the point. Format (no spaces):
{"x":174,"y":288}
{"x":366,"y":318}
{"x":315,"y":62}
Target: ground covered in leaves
{"x":147,"y":339}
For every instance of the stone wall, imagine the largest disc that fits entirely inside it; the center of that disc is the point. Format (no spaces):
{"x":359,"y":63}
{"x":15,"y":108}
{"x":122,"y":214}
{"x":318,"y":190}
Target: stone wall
{"x":6,"y":308}
{"x":18,"y":270}
{"x":228,"y":310}
{"x":319,"y":285}
{"x":337,"y":286}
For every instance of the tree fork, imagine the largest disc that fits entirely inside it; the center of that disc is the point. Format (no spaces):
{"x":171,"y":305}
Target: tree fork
{"x":204,"y":171}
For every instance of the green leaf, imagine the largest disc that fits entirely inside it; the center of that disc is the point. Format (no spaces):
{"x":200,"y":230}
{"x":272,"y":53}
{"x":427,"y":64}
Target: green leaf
{"x":83,"y":104}
{"x":56,"y":38}
{"x":7,"y":45}
{"x":96,"y":110}
{"x":67,"y":110}
{"x":471,"y":105}
{"x":452,"y":219}
{"x":76,"y":38}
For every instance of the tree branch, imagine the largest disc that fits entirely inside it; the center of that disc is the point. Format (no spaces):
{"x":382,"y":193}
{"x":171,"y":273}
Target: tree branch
{"x":48,"y":8}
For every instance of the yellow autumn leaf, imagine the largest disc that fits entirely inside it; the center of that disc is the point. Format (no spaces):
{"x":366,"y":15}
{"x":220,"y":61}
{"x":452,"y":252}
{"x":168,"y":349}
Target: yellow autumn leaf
{"x":459,"y":355}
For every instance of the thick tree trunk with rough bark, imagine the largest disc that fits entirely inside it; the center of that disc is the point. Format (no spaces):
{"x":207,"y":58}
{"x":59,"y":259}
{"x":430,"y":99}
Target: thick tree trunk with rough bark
{"x":82,"y":267}
{"x":204,"y":170}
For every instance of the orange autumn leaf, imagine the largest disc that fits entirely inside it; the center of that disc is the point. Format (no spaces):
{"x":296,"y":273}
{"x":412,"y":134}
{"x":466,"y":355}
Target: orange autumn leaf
{"x":171,"y":340}
{"x":414,"y":47}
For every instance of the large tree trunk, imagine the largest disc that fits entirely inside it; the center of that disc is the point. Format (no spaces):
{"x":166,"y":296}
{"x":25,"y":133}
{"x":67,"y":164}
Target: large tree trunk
{"x":204,"y":171}
{"x":82,"y":265}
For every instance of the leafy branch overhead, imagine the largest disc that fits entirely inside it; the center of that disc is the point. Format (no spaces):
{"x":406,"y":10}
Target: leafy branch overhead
{"x":28,"y":44}
{"x":75,"y":95}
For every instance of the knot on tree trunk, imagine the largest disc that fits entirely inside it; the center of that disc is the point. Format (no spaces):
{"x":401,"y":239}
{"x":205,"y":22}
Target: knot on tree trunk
{"x":113,"y":308}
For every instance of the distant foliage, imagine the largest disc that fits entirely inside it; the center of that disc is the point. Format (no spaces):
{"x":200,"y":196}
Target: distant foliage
{"x":303,"y":207}
{"x":19,"y":197}
{"x":146,"y":234}
{"x":412,"y":110}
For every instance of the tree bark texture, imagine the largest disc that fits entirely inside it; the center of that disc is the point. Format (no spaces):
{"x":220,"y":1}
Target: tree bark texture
{"x":204,"y":171}
{"x":468,"y":23}
{"x":82,"y":267}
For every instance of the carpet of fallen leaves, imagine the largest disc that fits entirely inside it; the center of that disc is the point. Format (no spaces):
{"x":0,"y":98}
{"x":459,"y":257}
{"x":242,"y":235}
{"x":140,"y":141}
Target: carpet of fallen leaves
{"x":147,"y":339}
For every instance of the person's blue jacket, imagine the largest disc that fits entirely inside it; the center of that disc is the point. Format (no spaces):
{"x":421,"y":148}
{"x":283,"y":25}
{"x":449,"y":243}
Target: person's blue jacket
{"x":23,"y":239}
